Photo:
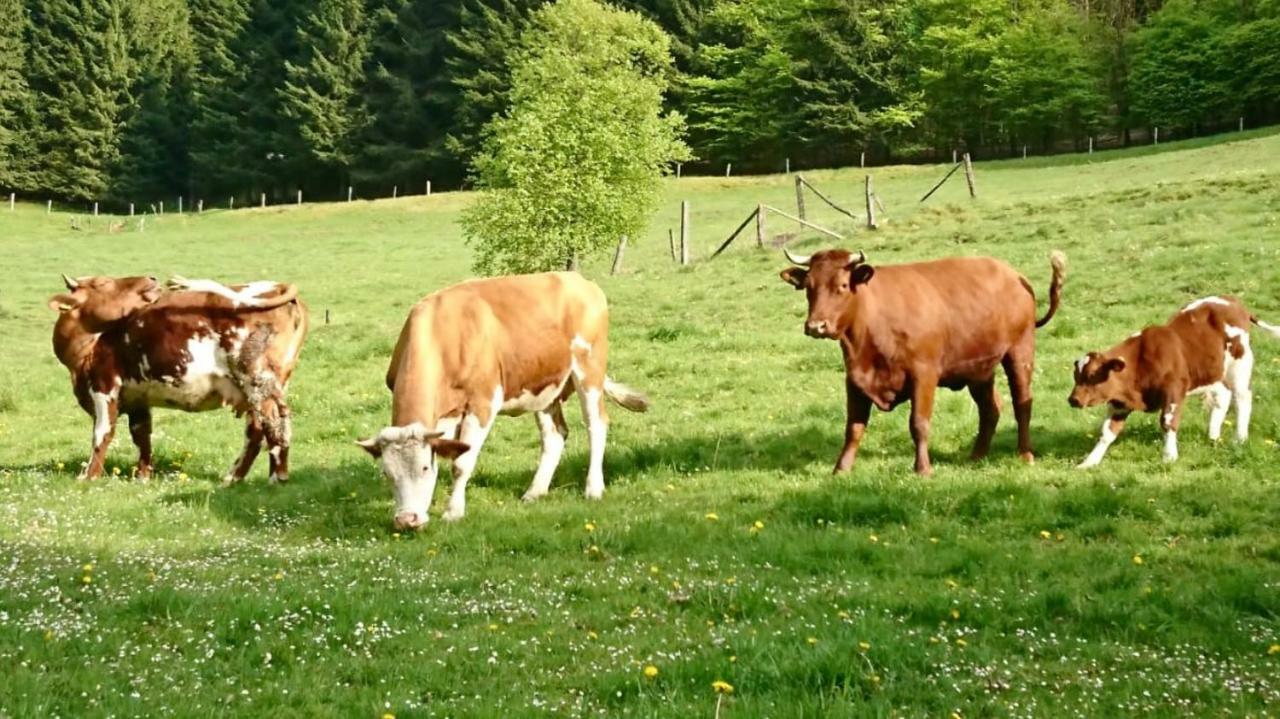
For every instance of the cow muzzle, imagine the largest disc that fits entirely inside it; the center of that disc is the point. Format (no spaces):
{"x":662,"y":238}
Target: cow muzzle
{"x":819,"y":329}
{"x":409,"y":521}
{"x":1074,"y":402}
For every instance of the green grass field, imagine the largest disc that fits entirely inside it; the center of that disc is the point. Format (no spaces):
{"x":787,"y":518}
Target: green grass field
{"x":723,"y":549}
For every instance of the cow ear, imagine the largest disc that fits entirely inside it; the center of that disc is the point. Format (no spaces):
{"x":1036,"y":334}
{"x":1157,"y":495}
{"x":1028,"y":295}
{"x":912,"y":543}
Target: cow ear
{"x":371,"y":445}
{"x":861,"y":274}
{"x":794,"y":276}
{"x":64,"y":303}
{"x":448,"y":448}
{"x":1115,"y":364}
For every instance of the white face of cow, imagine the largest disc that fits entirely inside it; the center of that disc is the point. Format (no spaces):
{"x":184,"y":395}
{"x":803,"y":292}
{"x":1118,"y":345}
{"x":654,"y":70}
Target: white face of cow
{"x":409,"y":458}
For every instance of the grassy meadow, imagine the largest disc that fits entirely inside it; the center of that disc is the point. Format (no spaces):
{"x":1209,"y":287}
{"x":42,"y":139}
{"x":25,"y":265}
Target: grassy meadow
{"x":723,"y":550}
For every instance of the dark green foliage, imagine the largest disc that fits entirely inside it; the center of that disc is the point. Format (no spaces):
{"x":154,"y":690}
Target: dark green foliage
{"x":141,"y":100}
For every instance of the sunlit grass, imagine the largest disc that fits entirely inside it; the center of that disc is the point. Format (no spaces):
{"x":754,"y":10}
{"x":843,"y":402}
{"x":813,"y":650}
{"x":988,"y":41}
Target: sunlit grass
{"x":723,"y":550}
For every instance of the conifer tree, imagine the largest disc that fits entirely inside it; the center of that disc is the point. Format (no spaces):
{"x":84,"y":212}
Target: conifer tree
{"x":16,"y":108}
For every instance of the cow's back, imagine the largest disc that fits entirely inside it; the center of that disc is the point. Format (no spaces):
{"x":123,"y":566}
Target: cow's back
{"x":958,"y":310}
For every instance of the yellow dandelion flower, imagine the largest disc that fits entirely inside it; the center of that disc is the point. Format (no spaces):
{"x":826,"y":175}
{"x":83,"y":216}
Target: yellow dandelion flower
{"x":731,"y":580}
{"x":88,"y":567}
{"x":722,"y":687}
{"x":592,"y":635}
{"x":60,"y":466}
{"x":733,"y":658}
{"x":48,"y":634}
{"x":864,"y":646}
{"x":388,"y":715}
{"x":712,"y":517}
{"x":1058,"y":537}
{"x":115,"y":471}
{"x":432,"y":552}
{"x":1137,"y":559}
{"x":1273,"y":650}
{"x":182,"y":477}
{"x":952,"y":583}
{"x":934,"y":640}
{"x":590,"y":527}
{"x":650,"y":671}
{"x":493,"y":627}
{"x":653,"y":569}
{"x":933,"y":540}
{"x":961,"y":643}
{"x":86,"y":579}
{"x":842,"y":614}
{"x":812,"y":641}
{"x":955,"y":715}
{"x":873,"y":538}
{"x":279,"y":576}
{"x":1044,"y":534}
{"x":757,"y":526}
{"x":874,"y":678}
{"x":955,"y":613}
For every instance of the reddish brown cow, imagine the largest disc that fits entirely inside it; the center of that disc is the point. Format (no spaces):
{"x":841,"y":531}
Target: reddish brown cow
{"x":131,"y":346}
{"x":907,"y":329}
{"x":1203,"y":349}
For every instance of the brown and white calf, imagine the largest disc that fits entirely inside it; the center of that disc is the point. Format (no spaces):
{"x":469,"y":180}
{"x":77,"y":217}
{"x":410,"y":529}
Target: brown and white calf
{"x":131,"y":346}
{"x":1203,"y":349}
{"x":505,"y":345}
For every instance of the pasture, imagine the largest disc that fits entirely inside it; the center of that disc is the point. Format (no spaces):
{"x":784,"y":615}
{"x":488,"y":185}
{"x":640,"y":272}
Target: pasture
{"x":723,"y":549}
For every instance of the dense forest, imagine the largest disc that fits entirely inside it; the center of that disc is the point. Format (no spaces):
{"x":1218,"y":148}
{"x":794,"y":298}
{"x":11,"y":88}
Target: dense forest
{"x":143,"y":100}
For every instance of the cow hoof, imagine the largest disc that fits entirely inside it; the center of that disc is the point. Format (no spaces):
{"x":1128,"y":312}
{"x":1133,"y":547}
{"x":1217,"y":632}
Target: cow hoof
{"x":282,"y":479}
{"x":1027,"y":457}
{"x":452,"y":515}
{"x":231,"y":480}
{"x":532,"y":496}
{"x":594,"y":493}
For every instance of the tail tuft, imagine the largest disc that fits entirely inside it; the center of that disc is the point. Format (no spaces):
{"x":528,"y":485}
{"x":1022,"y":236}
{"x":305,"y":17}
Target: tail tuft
{"x":1270,"y":328}
{"x":627,"y":398}
{"x":1058,"y":261}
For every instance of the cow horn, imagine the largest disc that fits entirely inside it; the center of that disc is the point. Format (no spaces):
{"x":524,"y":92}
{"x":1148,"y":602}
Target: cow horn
{"x":70,"y":283}
{"x":862,"y":257}
{"x":802,"y":260}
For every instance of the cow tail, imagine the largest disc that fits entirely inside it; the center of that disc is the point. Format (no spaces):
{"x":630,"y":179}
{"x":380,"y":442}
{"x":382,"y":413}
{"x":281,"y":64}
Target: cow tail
{"x":628,"y":398}
{"x":1271,"y":329}
{"x":1058,"y":260}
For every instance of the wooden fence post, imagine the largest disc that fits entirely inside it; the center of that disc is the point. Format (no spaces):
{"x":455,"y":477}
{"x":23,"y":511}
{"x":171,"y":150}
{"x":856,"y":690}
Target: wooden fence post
{"x":1241,"y":124}
{"x":684,"y":232}
{"x":1157,"y":137}
{"x":871,"y":210}
{"x":264,"y":200}
{"x":131,"y":209}
{"x":728,"y":167}
{"x":862,"y":159}
{"x":179,"y":204}
{"x":1091,"y":144}
{"x":199,"y":207}
{"x":299,"y":197}
{"x":800,"y":196}
{"x":1024,"y":152}
{"x":95,"y":209}
{"x":350,"y":190}
{"x":231,"y":202}
{"x":428,"y":188}
{"x":162,"y":207}
{"x":617,"y":255}
{"x":968,"y":175}
{"x":395,"y":191}
{"x":953,"y":156}
{"x":788,"y":165}
{"x":671,"y":244}
{"x":48,"y":207}
{"x":760,"y":226}
{"x":678,"y":170}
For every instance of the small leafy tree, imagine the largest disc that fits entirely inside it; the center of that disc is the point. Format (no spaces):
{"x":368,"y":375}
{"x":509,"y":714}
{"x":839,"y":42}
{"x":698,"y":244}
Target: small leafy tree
{"x":575,"y":161}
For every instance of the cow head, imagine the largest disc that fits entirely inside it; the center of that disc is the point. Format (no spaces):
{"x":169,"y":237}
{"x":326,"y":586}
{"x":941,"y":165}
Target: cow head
{"x":408,"y":457}
{"x":98,"y":302}
{"x":1098,"y":379}
{"x":831,"y":280}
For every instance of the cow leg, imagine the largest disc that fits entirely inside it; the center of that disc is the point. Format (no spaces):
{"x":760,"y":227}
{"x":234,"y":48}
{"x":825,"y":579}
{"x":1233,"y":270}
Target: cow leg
{"x":554,"y":430}
{"x":988,"y":401}
{"x":858,"y":414}
{"x":1219,"y":401}
{"x":923,"y":390}
{"x":253,"y":436}
{"x":473,"y":431}
{"x":1018,"y":366}
{"x":140,"y":431}
{"x":106,"y":409}
{"x":1169,"y":419}
{"x":597,"y":433}
{"x":1239,"y":377}
{"x":1111,"y":427}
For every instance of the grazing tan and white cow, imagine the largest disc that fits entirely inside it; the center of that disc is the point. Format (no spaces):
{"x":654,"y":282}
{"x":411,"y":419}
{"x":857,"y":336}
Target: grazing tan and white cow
{"x":131,"y":346}
{"x":506,"y":345}
{"x":1203,"y":349}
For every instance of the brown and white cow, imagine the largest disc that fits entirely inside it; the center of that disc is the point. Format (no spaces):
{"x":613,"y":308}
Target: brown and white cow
{"x":506,"y":345}
{"x":1203,"y":349}
{"x":131,"y":346}
{"x":907,"y":329}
